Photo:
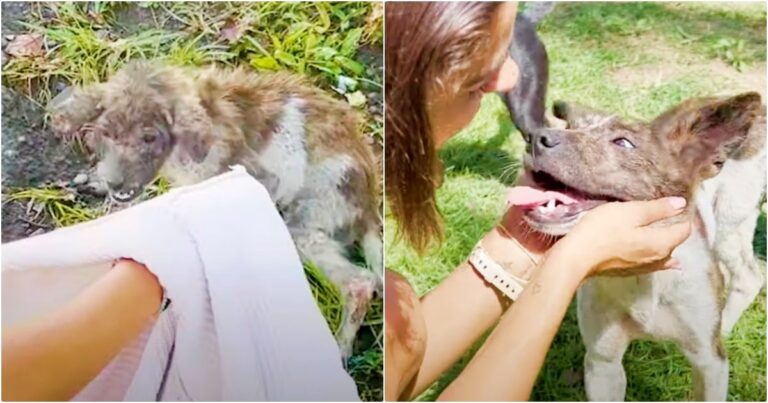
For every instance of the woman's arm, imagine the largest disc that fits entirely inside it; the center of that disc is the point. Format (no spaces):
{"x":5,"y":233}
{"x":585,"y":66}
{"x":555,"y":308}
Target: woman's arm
{"x":54,"y":357}
{"x":507,"y":365}
{"x":505,"y":368}
{"x":424,"y":338}
{"x":455,"y":314}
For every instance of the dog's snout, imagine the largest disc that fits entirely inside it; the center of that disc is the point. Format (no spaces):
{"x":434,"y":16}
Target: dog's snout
{"x":547,"y":139}
{"x":115,"y":183}
{"x":544,"y":141}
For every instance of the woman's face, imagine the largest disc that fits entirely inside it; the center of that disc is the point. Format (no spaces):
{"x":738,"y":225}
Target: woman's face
{"x":490,"y":71}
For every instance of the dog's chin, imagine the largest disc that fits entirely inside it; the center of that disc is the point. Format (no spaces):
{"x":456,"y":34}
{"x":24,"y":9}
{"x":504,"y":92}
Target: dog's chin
{"x":560,"y":220}
{"x":550,"y":227}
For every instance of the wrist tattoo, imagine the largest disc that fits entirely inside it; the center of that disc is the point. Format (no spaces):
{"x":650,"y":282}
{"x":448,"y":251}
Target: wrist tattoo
{"x":535,"y":288}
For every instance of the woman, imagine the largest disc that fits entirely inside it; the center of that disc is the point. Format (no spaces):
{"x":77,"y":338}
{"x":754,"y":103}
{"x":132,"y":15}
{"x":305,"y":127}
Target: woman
{"x":440,"y":59}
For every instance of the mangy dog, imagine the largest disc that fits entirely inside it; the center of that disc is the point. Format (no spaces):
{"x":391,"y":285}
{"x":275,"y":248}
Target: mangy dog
{"x":191,"y":124}
{"x":710,"y":151}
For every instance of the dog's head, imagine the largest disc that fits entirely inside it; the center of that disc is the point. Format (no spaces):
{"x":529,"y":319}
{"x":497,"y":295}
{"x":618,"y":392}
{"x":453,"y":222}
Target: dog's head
{"x":135,"y":121}
{"x":600,"y":158}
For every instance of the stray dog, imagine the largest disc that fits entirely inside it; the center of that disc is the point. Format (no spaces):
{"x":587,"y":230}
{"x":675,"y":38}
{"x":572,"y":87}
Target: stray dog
{"x":714,"y":144}
{"x":726,"y":138}
{"x":301,"y":144}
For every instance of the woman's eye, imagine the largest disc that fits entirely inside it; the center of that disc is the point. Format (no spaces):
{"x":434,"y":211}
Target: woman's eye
{"x":623,"y":142}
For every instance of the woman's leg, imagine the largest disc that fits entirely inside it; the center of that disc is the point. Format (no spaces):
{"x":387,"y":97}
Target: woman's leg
{"x":405,"y":336}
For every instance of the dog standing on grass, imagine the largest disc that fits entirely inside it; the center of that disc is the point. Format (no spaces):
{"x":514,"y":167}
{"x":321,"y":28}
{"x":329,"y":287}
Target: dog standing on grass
{"x":710,"y":151}
{"x":192,"y":124}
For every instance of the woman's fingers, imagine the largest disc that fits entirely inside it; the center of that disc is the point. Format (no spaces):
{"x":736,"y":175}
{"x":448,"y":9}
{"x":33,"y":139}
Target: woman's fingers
{"x":669,"y":263}
{"x":647,"y":212}
{"x":665,"y":239}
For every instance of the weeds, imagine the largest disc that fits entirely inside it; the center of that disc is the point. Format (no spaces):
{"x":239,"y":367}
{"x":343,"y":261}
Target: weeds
{"x":53,"y":204}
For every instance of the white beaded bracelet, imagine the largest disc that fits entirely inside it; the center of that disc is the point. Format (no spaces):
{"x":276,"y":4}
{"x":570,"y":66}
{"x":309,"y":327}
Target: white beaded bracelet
{"x":510,"y":285}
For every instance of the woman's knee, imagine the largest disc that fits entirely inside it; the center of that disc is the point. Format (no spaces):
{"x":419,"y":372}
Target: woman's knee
{"x":405,"y":332}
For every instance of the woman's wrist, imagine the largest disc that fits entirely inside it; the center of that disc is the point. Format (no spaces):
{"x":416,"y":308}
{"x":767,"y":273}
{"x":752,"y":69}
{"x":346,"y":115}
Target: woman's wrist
{"x":508,"y":253}
{"x":570,"y":262}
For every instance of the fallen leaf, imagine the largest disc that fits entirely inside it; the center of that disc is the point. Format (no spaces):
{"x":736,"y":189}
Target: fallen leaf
{"x":231,"y":31}
{"x":25,"y":45}
{"x":356,"y":98}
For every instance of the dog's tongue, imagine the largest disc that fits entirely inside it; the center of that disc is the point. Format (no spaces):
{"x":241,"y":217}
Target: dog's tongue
{"x":528,"y":196}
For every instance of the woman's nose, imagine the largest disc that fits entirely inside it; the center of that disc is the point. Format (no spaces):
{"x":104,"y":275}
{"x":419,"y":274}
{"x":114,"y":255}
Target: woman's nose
{"x":505,"y":79}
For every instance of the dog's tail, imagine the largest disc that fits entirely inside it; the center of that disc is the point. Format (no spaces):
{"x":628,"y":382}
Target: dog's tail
{"x":535,"y":11}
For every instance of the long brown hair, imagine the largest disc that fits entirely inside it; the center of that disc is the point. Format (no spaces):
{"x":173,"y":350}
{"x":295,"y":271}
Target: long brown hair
{"x":426,"y":44}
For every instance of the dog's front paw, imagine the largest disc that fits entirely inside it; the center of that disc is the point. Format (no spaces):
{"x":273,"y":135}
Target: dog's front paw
{"x":73,"y":108}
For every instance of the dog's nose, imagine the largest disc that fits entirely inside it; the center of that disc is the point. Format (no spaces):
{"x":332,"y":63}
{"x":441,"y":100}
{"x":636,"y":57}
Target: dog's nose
{"x":547,"y":140}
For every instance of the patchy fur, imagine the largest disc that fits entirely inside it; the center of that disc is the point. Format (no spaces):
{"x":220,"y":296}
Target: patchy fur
{"x":695,"y":150}
{"x":191,"y":124}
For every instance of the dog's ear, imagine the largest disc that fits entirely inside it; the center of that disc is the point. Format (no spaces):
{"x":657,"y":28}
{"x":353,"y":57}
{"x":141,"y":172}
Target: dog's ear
{"x":713,"y":131}
{"x":75,"y":107}
{"x":576,"y":115}
{"x":191,"y":128}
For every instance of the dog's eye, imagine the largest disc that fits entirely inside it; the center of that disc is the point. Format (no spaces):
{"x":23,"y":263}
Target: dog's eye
{"x":623,"y":143}
{"x":149,"y":137}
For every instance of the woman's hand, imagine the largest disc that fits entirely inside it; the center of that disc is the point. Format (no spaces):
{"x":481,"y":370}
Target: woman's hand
{"x":613,"y":239}
{"x":621,"y":238}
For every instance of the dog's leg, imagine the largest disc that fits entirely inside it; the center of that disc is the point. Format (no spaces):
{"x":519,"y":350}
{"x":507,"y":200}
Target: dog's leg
{"x":692,"y":321}
{"x":356,"y":284}
{"x":606,"y":338}
{"x":74,"y":107}
{"x":710,"y":369}
{"x":734,"y":251}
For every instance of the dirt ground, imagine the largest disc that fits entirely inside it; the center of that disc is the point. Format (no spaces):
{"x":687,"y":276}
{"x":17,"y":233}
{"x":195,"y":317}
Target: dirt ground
{"x":32,"y":156}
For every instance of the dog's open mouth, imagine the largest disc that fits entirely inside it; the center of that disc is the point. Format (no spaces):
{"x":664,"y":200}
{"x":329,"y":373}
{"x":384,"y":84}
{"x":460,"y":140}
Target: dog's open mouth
{"x":552,"y":207}
{"x":124,"y":196}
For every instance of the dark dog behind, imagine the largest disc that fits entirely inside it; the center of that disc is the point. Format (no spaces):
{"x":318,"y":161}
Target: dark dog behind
{"x":526,"y":102}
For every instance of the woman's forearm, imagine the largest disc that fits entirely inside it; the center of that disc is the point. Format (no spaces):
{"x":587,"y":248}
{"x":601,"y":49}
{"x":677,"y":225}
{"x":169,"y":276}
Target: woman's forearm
{"x":462,"y":308}
{"x":456,"y":314}
{"x":54,"y":357}
{"x":507,"y":365}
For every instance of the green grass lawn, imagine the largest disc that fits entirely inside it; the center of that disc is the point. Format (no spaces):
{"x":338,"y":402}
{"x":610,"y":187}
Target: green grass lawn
{"x":87,"y":42}
{"x":635,"y":59}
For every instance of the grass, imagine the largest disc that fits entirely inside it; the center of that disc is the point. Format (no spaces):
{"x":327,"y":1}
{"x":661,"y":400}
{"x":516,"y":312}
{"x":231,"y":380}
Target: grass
{"x":601,"y":55}
{"x":327,"y":42}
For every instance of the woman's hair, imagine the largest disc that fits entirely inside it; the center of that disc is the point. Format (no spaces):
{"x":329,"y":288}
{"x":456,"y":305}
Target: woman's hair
{"x":428,"y":46}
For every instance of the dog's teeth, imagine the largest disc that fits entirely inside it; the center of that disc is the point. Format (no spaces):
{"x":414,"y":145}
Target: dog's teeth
{"x":543,"y":208}
{"x":551,"y":204}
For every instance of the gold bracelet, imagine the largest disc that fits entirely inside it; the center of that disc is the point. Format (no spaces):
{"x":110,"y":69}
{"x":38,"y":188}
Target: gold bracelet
{"x":519,"y":245}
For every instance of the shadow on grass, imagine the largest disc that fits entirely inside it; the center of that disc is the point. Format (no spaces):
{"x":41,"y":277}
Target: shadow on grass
{"x":759,"y":242}
{"x":485,"y":156}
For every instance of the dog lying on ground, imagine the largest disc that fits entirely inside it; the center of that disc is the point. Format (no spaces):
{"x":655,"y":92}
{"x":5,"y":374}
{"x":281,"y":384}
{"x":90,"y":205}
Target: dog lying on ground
{"x":711,"y":151}
{"x":301,"y":144}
